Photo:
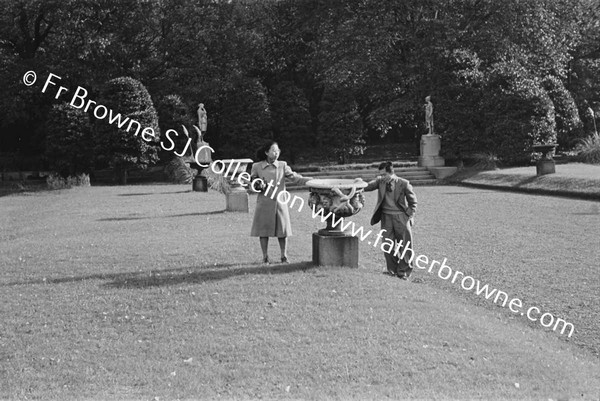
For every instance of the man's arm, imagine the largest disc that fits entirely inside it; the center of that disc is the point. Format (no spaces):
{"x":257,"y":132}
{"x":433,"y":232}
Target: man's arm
{"x":372,"y":185}
{"x":411,"y":199}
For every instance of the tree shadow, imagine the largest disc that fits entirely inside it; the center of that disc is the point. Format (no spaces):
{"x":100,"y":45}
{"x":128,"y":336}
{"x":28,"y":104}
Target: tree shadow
{"x":122,"y":218}
{"x":162,"y":217}
{"x":194,"y":276}
{"x":156,"y":193}
{"x":526,"y":181}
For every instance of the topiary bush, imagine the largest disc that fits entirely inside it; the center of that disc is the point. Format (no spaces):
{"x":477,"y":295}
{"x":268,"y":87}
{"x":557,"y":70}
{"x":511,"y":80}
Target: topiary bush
{"x":569,"y":127}
{"x":68,"y":143}
{"x":121,"y":148}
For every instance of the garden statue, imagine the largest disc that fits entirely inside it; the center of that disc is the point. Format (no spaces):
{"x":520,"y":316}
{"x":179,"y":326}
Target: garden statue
{"x":429,"y":115}
{"x":202,"y":118}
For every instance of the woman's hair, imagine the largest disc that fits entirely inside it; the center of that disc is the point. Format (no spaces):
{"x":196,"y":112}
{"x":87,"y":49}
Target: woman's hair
{"x":261,"y":153}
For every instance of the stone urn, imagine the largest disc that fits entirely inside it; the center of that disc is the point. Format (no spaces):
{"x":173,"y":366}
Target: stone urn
{"x":336,"y":198}
{"x":341,"y":197}
{"x":236,"y":196}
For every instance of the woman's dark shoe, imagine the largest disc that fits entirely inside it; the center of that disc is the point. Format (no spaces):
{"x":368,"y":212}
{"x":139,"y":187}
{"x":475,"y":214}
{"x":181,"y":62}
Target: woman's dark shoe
{"x":285,"y":260}
{"x":266,"y":260}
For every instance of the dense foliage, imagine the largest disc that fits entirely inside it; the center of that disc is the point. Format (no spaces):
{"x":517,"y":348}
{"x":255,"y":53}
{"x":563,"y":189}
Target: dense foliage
{"x":126,"y":145}
{"x":68,"y":140}
{"x":317,"y":75}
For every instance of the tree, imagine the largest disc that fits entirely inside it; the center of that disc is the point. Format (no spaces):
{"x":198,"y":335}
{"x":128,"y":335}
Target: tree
{"x":244,"y":119}
{"x":518,"y":113}
{"x":172,"y":114}
{"x":127,"y":147}
{"x":340,"y":128}
{"x":291,"y":120}
{"x":68,"y":140}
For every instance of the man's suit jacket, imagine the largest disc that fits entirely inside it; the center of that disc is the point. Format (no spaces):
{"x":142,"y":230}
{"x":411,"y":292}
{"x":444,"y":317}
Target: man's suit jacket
{"x":405,"y":198}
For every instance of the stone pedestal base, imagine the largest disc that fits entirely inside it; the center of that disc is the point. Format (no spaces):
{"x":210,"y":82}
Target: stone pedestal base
{"x":545,"y":166}
{"x":431,"y":161}
{"x":335,"y":250}
{"x":430,"y":150}
{"x":237,"y":201}
{"x":200,"y":184}
{"x":442,"y":172}
{"x":430,"y":145}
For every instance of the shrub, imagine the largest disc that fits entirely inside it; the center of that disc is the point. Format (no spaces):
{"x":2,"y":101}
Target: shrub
{"x":177,"y":171}
{"x":589,"y":149}
{"x":55,"y":181}
{"x":485,"y":161}
{"x":217,"y":182}
{"x":120,"y":147}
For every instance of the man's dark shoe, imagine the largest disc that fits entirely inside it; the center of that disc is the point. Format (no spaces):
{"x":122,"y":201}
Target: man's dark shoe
{"x":402,"y":276}
{"x":409,"y":272}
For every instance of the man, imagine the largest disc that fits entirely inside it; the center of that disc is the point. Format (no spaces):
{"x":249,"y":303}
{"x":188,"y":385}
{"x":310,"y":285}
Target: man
{"x":396,"y":208}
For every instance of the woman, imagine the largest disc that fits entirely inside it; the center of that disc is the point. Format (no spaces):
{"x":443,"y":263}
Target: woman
{"x":271,"y":217}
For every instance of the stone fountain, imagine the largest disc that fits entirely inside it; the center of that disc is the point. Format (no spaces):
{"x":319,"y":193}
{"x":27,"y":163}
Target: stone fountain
{"x":343,"y":198}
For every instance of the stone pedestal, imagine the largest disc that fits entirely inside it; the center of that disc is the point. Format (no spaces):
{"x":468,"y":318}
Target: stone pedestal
{"x":237,"y":201}
{"x":335,"y":250}
{"x":545,"y":166}
{"x":430,"y":149}
{"x":442,"y":172}
{"x":200,"y":184}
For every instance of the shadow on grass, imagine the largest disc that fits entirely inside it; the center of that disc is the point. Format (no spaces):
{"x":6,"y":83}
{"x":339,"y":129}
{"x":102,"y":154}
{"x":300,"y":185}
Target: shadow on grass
{"x":162,"y":217}
{"x":526,"y":181}
{"x":191,"y":276}
{"x":156,"y":278}
{"x":156,"y":193}
{"x":122,"y":218}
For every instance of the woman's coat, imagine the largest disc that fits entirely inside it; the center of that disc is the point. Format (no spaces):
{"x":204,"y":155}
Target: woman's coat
{"x":272,"y":217}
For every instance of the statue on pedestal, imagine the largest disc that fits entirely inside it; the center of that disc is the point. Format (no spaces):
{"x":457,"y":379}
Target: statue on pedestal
{"x":429,"y":115}
{"x":202,"y":118}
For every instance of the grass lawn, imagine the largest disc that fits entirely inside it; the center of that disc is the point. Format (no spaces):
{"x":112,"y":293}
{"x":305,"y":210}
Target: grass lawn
{"x":145,"y":292}
{"x":576,"y":178}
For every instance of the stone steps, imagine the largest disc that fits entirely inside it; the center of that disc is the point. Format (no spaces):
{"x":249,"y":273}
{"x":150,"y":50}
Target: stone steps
{"x":416,"y":175}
